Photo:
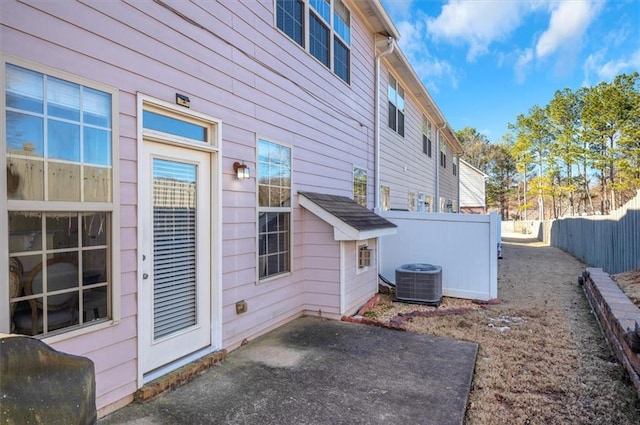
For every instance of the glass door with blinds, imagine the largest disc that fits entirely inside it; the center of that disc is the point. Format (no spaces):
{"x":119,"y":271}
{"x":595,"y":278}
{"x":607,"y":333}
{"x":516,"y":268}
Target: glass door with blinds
{"x":176,"y":248}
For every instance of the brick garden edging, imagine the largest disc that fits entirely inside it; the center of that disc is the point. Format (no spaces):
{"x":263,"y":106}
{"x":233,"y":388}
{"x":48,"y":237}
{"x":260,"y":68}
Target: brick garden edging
{"x":617,"y":316}
{"x":398,"y":322}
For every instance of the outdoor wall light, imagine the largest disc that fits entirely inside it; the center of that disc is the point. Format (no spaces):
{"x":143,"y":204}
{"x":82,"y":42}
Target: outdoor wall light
{"x":242,"y":171}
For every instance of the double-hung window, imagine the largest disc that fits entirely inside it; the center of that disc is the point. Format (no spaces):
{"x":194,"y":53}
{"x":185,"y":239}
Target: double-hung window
{"x":60,"y":160}
{"x":274,"y":209}
{"x":426,"y":136}
{"x":395,"y":94}
{"x":322,"y":27}
{"x":290,"y":19}
{"x":385,"y":198}
{"x":443,"y":155}
{"x":360,"y":186}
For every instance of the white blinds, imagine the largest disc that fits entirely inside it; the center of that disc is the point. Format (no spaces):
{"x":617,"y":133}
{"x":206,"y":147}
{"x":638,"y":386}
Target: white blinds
{"x":174,"y":247}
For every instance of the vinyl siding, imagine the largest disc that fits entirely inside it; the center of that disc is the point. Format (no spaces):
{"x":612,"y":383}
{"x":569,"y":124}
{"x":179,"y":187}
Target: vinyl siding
{"x":360,"y":286}
{"x":448,"y":181}
{"x":237,"y":67}
{"x":321,"y":266}
{"x":472,"y":187}
{"x":397,"y":152}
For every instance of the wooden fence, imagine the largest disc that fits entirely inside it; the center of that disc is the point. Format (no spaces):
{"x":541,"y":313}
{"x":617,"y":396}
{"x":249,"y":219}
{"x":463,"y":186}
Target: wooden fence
{"x":611,"y":242}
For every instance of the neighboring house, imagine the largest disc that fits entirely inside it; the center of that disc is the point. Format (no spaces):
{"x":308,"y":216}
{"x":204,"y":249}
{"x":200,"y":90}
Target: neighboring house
{"x":181,"y":176}
{"x":472,"y":189}
{"x":418,"y":149}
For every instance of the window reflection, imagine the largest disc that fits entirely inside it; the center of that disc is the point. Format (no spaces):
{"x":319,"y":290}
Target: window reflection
{"x":170,"y":125}
{"x":63,"y":140}
{"x":25,"y":134}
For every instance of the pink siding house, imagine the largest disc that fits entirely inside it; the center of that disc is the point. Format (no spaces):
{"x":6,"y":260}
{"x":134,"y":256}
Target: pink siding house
{"x":419,"y":151}
{"x":177,"y":173}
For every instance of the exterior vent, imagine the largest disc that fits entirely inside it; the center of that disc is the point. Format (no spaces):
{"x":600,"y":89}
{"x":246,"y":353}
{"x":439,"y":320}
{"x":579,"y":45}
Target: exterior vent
{"x":419,"y":283}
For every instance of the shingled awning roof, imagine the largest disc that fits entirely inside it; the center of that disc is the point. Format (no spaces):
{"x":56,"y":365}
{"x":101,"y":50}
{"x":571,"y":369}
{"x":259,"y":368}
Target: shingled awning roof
{"x":350,"y":220}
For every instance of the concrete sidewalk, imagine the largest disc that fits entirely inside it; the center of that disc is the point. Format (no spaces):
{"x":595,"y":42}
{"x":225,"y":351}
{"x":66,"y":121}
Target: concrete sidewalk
{"x":315,"y":371}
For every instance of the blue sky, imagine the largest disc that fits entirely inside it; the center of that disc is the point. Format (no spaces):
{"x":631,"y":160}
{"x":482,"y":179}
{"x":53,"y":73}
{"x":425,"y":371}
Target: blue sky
{"x":486,"y":61}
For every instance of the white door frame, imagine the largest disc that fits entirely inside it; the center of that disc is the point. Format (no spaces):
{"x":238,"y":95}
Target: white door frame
{"x":212,"y":146}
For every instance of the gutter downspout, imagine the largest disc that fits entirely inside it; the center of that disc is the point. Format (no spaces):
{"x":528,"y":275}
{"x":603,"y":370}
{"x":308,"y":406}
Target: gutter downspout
{"x":391,"y":44}
{"x":459,"y":167}
{"x":437,"y":200}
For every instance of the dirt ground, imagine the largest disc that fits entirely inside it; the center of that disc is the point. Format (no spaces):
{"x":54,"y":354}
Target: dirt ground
{"x":542,"y":358}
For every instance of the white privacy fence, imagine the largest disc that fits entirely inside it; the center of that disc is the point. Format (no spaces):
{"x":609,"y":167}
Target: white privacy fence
{"x":464,"y":245}
{"x":611,"y":242}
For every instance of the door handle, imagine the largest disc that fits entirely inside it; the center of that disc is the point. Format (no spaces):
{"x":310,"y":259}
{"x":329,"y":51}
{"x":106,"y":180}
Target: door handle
{"x":145,"y":276}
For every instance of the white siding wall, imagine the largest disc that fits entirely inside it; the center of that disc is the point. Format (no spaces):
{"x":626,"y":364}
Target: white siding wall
{"x":472,"y":187}
{"x":360,"y":285}
{"x":448,"y":181}
{"x":321,"y":264}
{"x":235,"y":66}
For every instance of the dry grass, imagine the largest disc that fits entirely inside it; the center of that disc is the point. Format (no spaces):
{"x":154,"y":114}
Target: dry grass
{"x":629,"y":282}
{"x":542,"y":358}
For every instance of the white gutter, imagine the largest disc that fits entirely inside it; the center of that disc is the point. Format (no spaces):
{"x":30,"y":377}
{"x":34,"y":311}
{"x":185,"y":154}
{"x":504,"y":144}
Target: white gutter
{"x":458,"y":165}
{"x":391,"y":44}
{"x":437,"y":200}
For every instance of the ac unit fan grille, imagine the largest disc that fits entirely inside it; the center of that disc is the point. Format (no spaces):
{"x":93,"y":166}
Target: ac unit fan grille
{"x":419,"y":283}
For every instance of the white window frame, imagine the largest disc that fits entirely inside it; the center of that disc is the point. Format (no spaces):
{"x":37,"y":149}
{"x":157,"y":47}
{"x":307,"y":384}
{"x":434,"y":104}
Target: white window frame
{"x":428,"y":201}
{"x":333,"y":33}
{"x":411,"y":200}
{"x":397,"y":88}
{"x":111,"y":208}
{"x":267,"y":209}
{"x":366,"y":186}
{"x":443,"y":155}
{"x":427,"y":132}
{"x":385,"y":198}
{"x":364,"y":245}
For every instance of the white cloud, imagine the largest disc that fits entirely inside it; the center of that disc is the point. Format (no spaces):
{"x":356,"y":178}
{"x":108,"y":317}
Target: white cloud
{"x":414,"y":44}
{"x":477,"y":23}
{"x":567,"y":25}
{"x":520,"y":68}
{"x":608,"y":70}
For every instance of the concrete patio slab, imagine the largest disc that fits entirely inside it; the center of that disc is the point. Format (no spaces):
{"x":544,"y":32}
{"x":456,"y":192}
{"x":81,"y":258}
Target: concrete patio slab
{"x":315,"y":371}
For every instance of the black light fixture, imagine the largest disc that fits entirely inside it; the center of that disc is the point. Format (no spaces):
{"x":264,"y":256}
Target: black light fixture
{"x":183,"y":100}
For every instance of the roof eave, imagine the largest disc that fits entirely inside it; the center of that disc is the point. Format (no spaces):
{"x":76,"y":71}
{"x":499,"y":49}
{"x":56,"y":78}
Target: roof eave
{"x":377,"y":17}
{"x":341,"y":230}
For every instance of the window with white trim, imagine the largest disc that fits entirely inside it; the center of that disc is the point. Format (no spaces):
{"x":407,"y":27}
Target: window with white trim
{"x":428,"y":203}
{"x":385,"y":198}
{"x":426,"y":136}
{"x":274,"y":209}
{"x":322,"y":27}
{"x":411,"y":200}
{"x":364,"y":256}
{"x":60,"y":162}
{"x":454,"y":163}
{"x":443,"y":155}
{"x":395,"y":93}
{"x":360,"y":186}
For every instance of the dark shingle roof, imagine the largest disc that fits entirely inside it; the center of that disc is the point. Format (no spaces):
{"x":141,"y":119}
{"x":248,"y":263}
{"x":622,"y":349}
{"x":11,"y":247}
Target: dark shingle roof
{"x":349,"y":211}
